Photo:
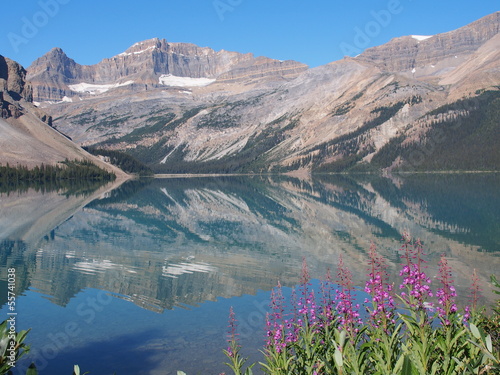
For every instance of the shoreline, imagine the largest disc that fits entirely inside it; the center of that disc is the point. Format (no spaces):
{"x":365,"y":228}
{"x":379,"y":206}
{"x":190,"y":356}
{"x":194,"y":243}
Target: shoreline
{"x":192,"y":175}
{"x":309,"y":175}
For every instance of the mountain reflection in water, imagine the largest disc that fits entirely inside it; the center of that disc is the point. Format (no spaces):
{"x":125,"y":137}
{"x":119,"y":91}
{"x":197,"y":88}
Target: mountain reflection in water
{"x":169,"y":243}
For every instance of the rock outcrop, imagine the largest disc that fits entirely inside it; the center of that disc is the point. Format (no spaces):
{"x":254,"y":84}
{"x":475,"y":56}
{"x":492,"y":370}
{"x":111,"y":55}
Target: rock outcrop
{"x":13,"y":80}
{"x":13,"y":88}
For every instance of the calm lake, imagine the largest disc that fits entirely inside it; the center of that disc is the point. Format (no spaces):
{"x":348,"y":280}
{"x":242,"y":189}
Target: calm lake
{"x":140,"y":279}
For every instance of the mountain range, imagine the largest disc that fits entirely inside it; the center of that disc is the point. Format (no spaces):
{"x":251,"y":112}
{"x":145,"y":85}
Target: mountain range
{"x":414,"y":103}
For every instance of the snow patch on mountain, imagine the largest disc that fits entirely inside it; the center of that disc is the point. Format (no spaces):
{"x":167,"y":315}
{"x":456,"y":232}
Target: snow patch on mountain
{"x":137,"y":52}
{"x":96,"y":89}
{"x":421,"y":37}
{"x":170,"y":80}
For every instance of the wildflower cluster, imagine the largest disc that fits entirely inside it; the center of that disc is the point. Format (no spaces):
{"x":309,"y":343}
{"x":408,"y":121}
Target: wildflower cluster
{"x":415,"y":281}
{"x":326,"y":334}
{"x":446,"y":293}
{"x":382,"y":313}
{"x":275,"y":327}
{"x":347,"y":310}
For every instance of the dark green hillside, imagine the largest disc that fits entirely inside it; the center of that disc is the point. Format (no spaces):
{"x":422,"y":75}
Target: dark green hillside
{"x":122,"y":160}
{"x":468,"y":142}
{"x":348,"y":145}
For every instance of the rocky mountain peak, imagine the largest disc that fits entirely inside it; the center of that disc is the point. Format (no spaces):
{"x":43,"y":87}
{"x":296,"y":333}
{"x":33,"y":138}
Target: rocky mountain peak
{"x":145,"y":46}
{"x":54,"y":62}
{"x":409,"y":53}
{"x":57,"y":52}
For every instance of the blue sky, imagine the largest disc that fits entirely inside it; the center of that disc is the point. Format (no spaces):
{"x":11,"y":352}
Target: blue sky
{"x":313,"y":32}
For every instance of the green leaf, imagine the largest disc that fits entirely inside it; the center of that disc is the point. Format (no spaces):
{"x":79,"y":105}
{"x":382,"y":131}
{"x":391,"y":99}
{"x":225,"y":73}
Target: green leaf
{"x":475,"y":331}
{"x":489,"y":345}
{"x":494,"y":281}
{"x":22,"y":335}
{"x":459,"y":334}
{"x":76,"y":370}
{"x":338,"y":358}
{"x":398,"y":365}
{"x":181,"y":373}
{"x":4,"y":342}
{"x":436,"y":366}
{"x":342,"y":338}
{"x":407,"y":366}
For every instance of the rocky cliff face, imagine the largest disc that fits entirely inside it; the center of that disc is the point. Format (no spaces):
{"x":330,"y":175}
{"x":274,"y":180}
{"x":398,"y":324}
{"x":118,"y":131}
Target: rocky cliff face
{"x":183,"y":108}
{"x":55,"y":76}
{"x":16,"y":94}
{"x":416,"y":52}
{"x":13,"y":88}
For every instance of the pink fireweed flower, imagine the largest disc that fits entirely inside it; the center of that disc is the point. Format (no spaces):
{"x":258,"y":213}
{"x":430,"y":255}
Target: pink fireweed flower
{"x":295,"y":322}
{"x":414,"y":278}
{"x":277,"y":303}
{"x":348,"y":312}
{"x":446,"y":294}
{"x":275,"y":335}
{"x":280,"y":331}
{"x":475,"y":290}
{"x":382,"y":312}
{"x":467,"y":314}
{"x":306,"y":303}
{"x":327,"y":316}
{"x":232,"y":336}
{"x":474,"y":297}
{"x":274,"y":319}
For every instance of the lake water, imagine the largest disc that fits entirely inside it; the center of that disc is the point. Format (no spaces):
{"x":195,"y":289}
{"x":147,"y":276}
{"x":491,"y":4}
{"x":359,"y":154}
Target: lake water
{"x":139,"y":280}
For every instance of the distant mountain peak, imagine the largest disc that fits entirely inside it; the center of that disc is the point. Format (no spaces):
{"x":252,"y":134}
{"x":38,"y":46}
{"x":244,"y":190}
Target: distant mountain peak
{"x":144,"y":46}
{"x":55,"y":54}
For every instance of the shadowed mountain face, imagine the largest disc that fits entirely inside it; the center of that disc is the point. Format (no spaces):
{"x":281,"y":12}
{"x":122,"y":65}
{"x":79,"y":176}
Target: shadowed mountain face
{"x":176,"y":242}
{"x":13,"y":88}
{"x":183,"y":108}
